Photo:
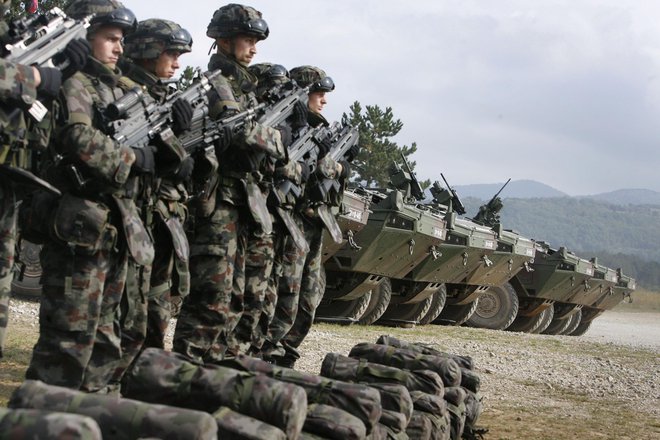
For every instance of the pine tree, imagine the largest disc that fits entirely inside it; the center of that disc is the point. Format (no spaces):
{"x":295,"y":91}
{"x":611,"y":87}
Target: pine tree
{"x":377,"y":150}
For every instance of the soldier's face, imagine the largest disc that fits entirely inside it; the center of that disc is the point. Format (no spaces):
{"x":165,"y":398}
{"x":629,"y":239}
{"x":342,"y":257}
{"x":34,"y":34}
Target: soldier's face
{"x":243,"y":48}
{"x":167,"y":64}
{"x":106,"y":45}
{"x":316,"y":102}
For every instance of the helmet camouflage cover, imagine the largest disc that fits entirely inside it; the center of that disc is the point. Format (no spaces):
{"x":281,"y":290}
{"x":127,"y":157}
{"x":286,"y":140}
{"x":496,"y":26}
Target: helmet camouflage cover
{"x":233,"y":19}
{"x":107,"y":12}
{"x":312,"y":77}
{"x":155,"y":36}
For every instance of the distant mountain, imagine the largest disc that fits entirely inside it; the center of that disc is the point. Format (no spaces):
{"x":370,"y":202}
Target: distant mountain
{"x":628,"y":197}
{"x":520,"y":189}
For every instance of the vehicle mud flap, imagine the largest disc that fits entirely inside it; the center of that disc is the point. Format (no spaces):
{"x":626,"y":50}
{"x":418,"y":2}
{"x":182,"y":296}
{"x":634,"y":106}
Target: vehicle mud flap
{"x":330,"y":223}
{"x":257,"y":205}
{"x":294,"y":230}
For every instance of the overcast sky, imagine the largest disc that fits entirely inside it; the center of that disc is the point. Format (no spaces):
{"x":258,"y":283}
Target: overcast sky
{"x":566,"y":92}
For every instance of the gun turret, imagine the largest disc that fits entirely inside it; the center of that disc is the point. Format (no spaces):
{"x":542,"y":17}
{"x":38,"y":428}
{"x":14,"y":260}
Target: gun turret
{"x":489,"y":213}
{"x":409,"y":178}
{"x":456,"y":204}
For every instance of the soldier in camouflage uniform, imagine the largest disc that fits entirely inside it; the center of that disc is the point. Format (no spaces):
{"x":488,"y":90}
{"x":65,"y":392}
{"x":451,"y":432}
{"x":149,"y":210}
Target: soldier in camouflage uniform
{"x":94,"y":226}
{"x":154,"y":49}
{"x":235,"y":212}
{"x":298,"y":288}
{"x":20,"y":86}
{"x":272,"y":75}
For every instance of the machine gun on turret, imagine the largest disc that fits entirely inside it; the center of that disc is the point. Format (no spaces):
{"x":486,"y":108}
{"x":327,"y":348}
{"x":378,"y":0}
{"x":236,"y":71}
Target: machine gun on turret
{"x":447,"y":197}
{"x":489,"y":213}
{"x":406,"y":181}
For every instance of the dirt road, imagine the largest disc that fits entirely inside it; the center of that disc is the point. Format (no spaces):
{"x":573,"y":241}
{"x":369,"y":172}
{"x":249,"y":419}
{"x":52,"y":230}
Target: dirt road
{"x":634,"y":329}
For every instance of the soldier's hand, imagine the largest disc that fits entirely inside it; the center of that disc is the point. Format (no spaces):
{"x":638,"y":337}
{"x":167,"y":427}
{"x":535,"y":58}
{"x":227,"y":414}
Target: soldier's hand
{"x":299,"y":116}
{"x":304,"y":172}
{"x":182,"y":113}
{"x":50,"y":81}
{"x":324,"y":147}
{"x":285,"y":132}
{"x":145,"y":162}
{"x":352,"y":153}
{"x":185,"y":170}
{"x":73,"y":57}
{"x":345,"y":169}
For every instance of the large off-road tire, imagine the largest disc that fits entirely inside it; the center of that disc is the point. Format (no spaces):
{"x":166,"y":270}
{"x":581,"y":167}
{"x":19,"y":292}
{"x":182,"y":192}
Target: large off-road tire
{"x":575,"y":318}
{"x":353,"y":309}
{"x":408,"y":312}
{"x":526,"y":323}
{"x":456,"y":314}
{"x":29,"y":286}
{"x":496,"y":309}
{"x":437,"y":304}
{"x":557,"y":326}
{"x":582,"y":328}
{"x":380,"y":299}
{"x":548,"y":314}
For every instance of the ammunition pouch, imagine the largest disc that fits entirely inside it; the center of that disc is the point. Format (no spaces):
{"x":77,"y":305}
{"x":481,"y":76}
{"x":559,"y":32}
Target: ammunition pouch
{"x":84,"y":224}
{"x":204,"y":203}
{"x":35,"y":215}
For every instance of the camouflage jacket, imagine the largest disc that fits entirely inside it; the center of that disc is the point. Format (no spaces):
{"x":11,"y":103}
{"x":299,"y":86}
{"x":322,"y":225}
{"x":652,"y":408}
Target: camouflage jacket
{"x":91,"y":165}
{"x":234,"y":92}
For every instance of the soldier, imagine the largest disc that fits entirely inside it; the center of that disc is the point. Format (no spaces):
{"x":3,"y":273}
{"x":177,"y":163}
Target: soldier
{"x":299,"y":290}
{"x":20,"y":87}
{"x":95,"y":225}
{"x":154,"y":51}
{"x":235,"y":211}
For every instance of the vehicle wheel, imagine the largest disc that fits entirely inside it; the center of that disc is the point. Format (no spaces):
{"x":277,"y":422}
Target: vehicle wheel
{"x":408,"y":312}
{"x":496,"y":309}
{"x":380,"y":299}
{"x":548,"y":314}
{"x":352,"y":309}
{"x":526,"y":323}
{"x":557,"y":326}
{"x":456,"y":314}
{"x":575,"y":318}
{"x":30,"y":285}
{"x":582,"y":328}
{"x":437,"y":304}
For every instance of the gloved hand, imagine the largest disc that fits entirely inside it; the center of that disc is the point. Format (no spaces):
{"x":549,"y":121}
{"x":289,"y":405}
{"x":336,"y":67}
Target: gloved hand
{"x":185,"y":170}
{"x":51,"y":81}
{"x":74,"y":55}
{"x":182,"y":113}
{"x":287,"y":137}
{"x":304,"y":173}
{"x":345,"y":169}
{"x":299,"y":116}
{"x":353,"y":153}
{"x":145,"y":162}
{"x":324,"y":147}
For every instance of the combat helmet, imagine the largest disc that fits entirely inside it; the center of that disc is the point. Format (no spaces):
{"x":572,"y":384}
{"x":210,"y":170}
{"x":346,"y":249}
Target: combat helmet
{"x":155,"y":36}
{"x":106,"y":12}
{"x":233,"y":19}
{"x":270,"y":73}
{"x":312,"y":77}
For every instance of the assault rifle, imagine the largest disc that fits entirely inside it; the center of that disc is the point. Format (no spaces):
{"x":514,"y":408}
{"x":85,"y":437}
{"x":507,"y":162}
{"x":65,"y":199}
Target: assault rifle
{"x":343,"y":138}
{"x":39,"y":38}
{"x":138,"y":120}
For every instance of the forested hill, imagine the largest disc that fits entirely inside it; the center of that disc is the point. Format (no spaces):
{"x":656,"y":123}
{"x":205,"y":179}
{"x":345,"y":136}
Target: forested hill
{"x":588,"y":227}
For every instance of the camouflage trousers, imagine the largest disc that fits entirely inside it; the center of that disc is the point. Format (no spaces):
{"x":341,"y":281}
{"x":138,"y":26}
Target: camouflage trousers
{"x":169,"y":277}
{"x":7,"y":249}
{"x":132,"y":318}
{"x":24,"y":424}
{"x":311,"y":292}
{"x":286,"y":279}
{"x":79,"y":343}
{"x":259,"y":255}
{"x":214,"y":306}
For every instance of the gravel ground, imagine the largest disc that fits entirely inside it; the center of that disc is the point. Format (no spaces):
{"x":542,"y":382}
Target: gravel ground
{"x":616,"y":362}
